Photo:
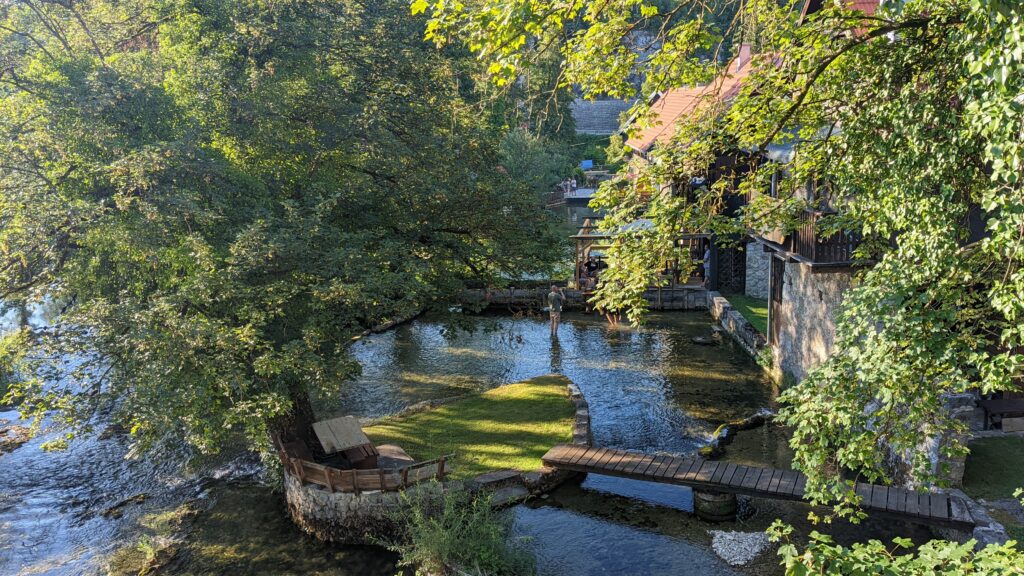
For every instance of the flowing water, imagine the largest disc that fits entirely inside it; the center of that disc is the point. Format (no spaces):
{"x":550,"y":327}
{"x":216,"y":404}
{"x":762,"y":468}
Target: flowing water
{"x":650,"y":389}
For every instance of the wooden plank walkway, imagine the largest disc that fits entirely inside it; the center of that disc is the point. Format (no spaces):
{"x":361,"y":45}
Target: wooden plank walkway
{"x":938,"y":509}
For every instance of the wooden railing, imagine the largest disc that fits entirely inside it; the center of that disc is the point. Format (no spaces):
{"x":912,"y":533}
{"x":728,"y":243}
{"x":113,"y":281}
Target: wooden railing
{"x":834,"y":249}
{"x":356,"y":481}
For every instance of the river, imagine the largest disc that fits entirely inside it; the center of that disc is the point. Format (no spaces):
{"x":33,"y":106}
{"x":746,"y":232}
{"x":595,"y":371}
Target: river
{"x":650,"y":389}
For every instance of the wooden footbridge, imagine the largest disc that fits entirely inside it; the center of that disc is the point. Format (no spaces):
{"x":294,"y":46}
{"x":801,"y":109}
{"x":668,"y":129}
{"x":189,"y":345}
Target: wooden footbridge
{"x":723,"y":477}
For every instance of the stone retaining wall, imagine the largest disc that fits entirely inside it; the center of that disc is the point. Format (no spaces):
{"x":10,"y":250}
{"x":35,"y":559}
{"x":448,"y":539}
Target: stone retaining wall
{"x":742,"y":331}
{"x":352,"y":518}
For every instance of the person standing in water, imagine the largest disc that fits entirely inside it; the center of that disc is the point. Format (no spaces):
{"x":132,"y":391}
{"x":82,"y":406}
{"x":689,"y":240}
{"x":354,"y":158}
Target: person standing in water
{"x":555,"y":300}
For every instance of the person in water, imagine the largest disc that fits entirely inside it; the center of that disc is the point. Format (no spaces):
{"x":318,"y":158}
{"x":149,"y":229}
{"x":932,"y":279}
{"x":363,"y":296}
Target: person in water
{"x":555,"y":300}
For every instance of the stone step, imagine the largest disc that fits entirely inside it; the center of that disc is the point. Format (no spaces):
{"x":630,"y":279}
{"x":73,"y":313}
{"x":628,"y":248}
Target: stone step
{"x":498,"y":479}
{"x":509,"y":495}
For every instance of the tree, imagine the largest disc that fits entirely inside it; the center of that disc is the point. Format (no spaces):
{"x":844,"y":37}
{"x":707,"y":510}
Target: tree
{"x":220,"y":194}
{"x":914,"y":116}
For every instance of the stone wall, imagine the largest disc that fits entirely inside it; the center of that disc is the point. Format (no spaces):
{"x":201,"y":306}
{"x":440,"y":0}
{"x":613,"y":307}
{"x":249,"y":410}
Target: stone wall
{"x":806,"y":318}
{"x":599,"y":117}
{"x":742,"y":331}
{"x":758,"y":267}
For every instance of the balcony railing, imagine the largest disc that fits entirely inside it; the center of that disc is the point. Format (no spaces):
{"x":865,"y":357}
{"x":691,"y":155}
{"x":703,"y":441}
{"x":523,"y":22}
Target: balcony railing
{"x":809,"y":243}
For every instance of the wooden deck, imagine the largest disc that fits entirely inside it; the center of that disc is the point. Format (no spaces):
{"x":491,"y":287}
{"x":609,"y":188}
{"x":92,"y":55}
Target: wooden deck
{"x":937,"y":509}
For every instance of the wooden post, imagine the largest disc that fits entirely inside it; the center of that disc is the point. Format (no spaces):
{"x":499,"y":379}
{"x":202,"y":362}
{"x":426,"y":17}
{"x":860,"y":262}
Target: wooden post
{"x":380,"y":474}
{"x":440,"y":468}
{"x":405,"y":477}
{"x":355,"y":481}
{"x":330,"y":482}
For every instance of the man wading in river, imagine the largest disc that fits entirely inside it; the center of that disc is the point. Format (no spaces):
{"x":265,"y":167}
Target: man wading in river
{"x":555,"y":301}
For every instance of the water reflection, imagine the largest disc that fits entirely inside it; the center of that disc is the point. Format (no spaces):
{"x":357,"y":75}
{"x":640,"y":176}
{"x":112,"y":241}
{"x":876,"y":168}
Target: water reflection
{"x":649,"y":389}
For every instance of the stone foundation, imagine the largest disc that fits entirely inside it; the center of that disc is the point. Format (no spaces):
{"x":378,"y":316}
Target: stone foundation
{"x":758,"y":264}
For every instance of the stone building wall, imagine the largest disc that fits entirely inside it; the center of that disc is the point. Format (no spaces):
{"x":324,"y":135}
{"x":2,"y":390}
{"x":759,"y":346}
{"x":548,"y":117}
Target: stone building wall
{"x":599,"y":117}
{"x":758,"y":263}
{"x":806,"y":316}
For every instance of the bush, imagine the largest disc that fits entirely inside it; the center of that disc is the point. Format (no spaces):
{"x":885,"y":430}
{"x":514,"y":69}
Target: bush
{"x":937,"y":557}
{"x":457,"y":532}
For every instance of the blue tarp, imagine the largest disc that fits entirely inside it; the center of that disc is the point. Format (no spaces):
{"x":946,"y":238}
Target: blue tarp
{"x":586,"y":164}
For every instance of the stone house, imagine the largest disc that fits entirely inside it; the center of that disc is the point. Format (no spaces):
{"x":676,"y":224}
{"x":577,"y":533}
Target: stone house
{"x":802,"y":275}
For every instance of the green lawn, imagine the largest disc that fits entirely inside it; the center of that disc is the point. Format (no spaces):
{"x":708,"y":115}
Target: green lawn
{"x":507,"y":427}
{"x":995,"y":467}
{"x":755,"y":310}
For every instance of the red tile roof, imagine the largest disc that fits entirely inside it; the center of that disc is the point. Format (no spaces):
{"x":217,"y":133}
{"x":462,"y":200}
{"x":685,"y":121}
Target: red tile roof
{"x":678,"y":103}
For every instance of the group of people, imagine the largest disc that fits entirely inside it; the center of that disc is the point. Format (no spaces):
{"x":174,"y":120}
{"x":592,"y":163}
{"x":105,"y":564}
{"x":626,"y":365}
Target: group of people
{"x":569,"y":185}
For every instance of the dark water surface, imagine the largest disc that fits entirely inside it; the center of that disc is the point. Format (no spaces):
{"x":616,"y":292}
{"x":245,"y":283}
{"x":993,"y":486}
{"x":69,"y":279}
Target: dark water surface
{"x":650,"y":389}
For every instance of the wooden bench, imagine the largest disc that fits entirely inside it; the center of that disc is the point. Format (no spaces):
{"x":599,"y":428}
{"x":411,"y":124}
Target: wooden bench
{"x":1001,"y":408}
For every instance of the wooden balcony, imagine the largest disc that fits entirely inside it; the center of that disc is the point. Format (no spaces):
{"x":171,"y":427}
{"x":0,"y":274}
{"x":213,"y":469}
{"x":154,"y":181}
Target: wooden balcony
{"x":807,"y":242}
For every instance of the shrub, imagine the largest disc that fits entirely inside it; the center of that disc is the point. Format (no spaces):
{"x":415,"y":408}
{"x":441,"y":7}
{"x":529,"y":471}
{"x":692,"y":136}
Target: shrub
{"x":457,"y":532}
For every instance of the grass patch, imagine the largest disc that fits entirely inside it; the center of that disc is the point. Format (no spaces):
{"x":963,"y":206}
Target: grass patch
{"x":994,"y":468}
{"x":509,"y":427}
{"x":755,"y":310}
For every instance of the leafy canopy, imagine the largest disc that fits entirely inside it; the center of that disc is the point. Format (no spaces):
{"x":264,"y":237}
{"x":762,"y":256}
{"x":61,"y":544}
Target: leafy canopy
{"x":913,"y":117}
{"x":215,"y":196}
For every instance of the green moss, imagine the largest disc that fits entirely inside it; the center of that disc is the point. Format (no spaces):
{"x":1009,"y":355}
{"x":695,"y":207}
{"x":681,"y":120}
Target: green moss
{"x":508,"y":427}
{"x":755,"y":310}
{"x":995,"y":467}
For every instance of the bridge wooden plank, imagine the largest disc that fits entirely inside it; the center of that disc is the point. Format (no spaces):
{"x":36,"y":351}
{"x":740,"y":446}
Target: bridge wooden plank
{"x":577,"y":457}
{"x":738,"y":475}
{"x":664,"y":471}
{"x":765,"y":480}
{"x":689,"y":471}
{"x":789,"y":478}
{"x":913,"y":507}
{"x":617,"y":458}
{"x":628,"y":460}
{"x":566,"y":454}
{"x":707,"y":470}
{"x":716,"y":478}
{"x":593,"y":455}
{"x":638,"y":461}
{"x":730,"y":471}
{"x":892,"y":502}
{"x":656,"y":464}
{"x":606,"y":457}
{"x":864,"y":491}
{"x":646,"y":463}
{"x":939,"y":506}
{"x":801,"y":484}
{"x":659,"y":472}
{"x":773,"y":486}
{"x":750,"y":480}
{"x":879,"y":496}
{"x":677,"y":463}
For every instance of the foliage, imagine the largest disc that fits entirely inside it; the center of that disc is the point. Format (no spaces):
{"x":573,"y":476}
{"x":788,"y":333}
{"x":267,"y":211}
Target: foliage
{"x":222,"y":193}
{"x":457,"y":531}
{"x":509,"y":427}
{"x":910,"y":118}
{"x":937,"y":557}
{"x":538,"y":162}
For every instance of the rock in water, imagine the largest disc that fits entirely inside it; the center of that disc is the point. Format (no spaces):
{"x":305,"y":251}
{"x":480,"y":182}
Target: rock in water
{"x":13,"y":436}
{"x":738,"y":548}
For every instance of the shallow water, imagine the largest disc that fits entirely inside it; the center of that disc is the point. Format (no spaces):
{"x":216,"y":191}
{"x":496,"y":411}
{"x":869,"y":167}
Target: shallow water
{"x":650,"y":389}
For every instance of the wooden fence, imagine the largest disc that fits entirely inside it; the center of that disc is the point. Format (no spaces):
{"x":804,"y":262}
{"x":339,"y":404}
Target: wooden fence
{"x":356,"y":481}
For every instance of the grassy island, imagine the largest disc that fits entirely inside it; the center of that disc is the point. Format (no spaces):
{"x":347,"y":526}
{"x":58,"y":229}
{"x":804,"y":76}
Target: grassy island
{"x":509,"y":427}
